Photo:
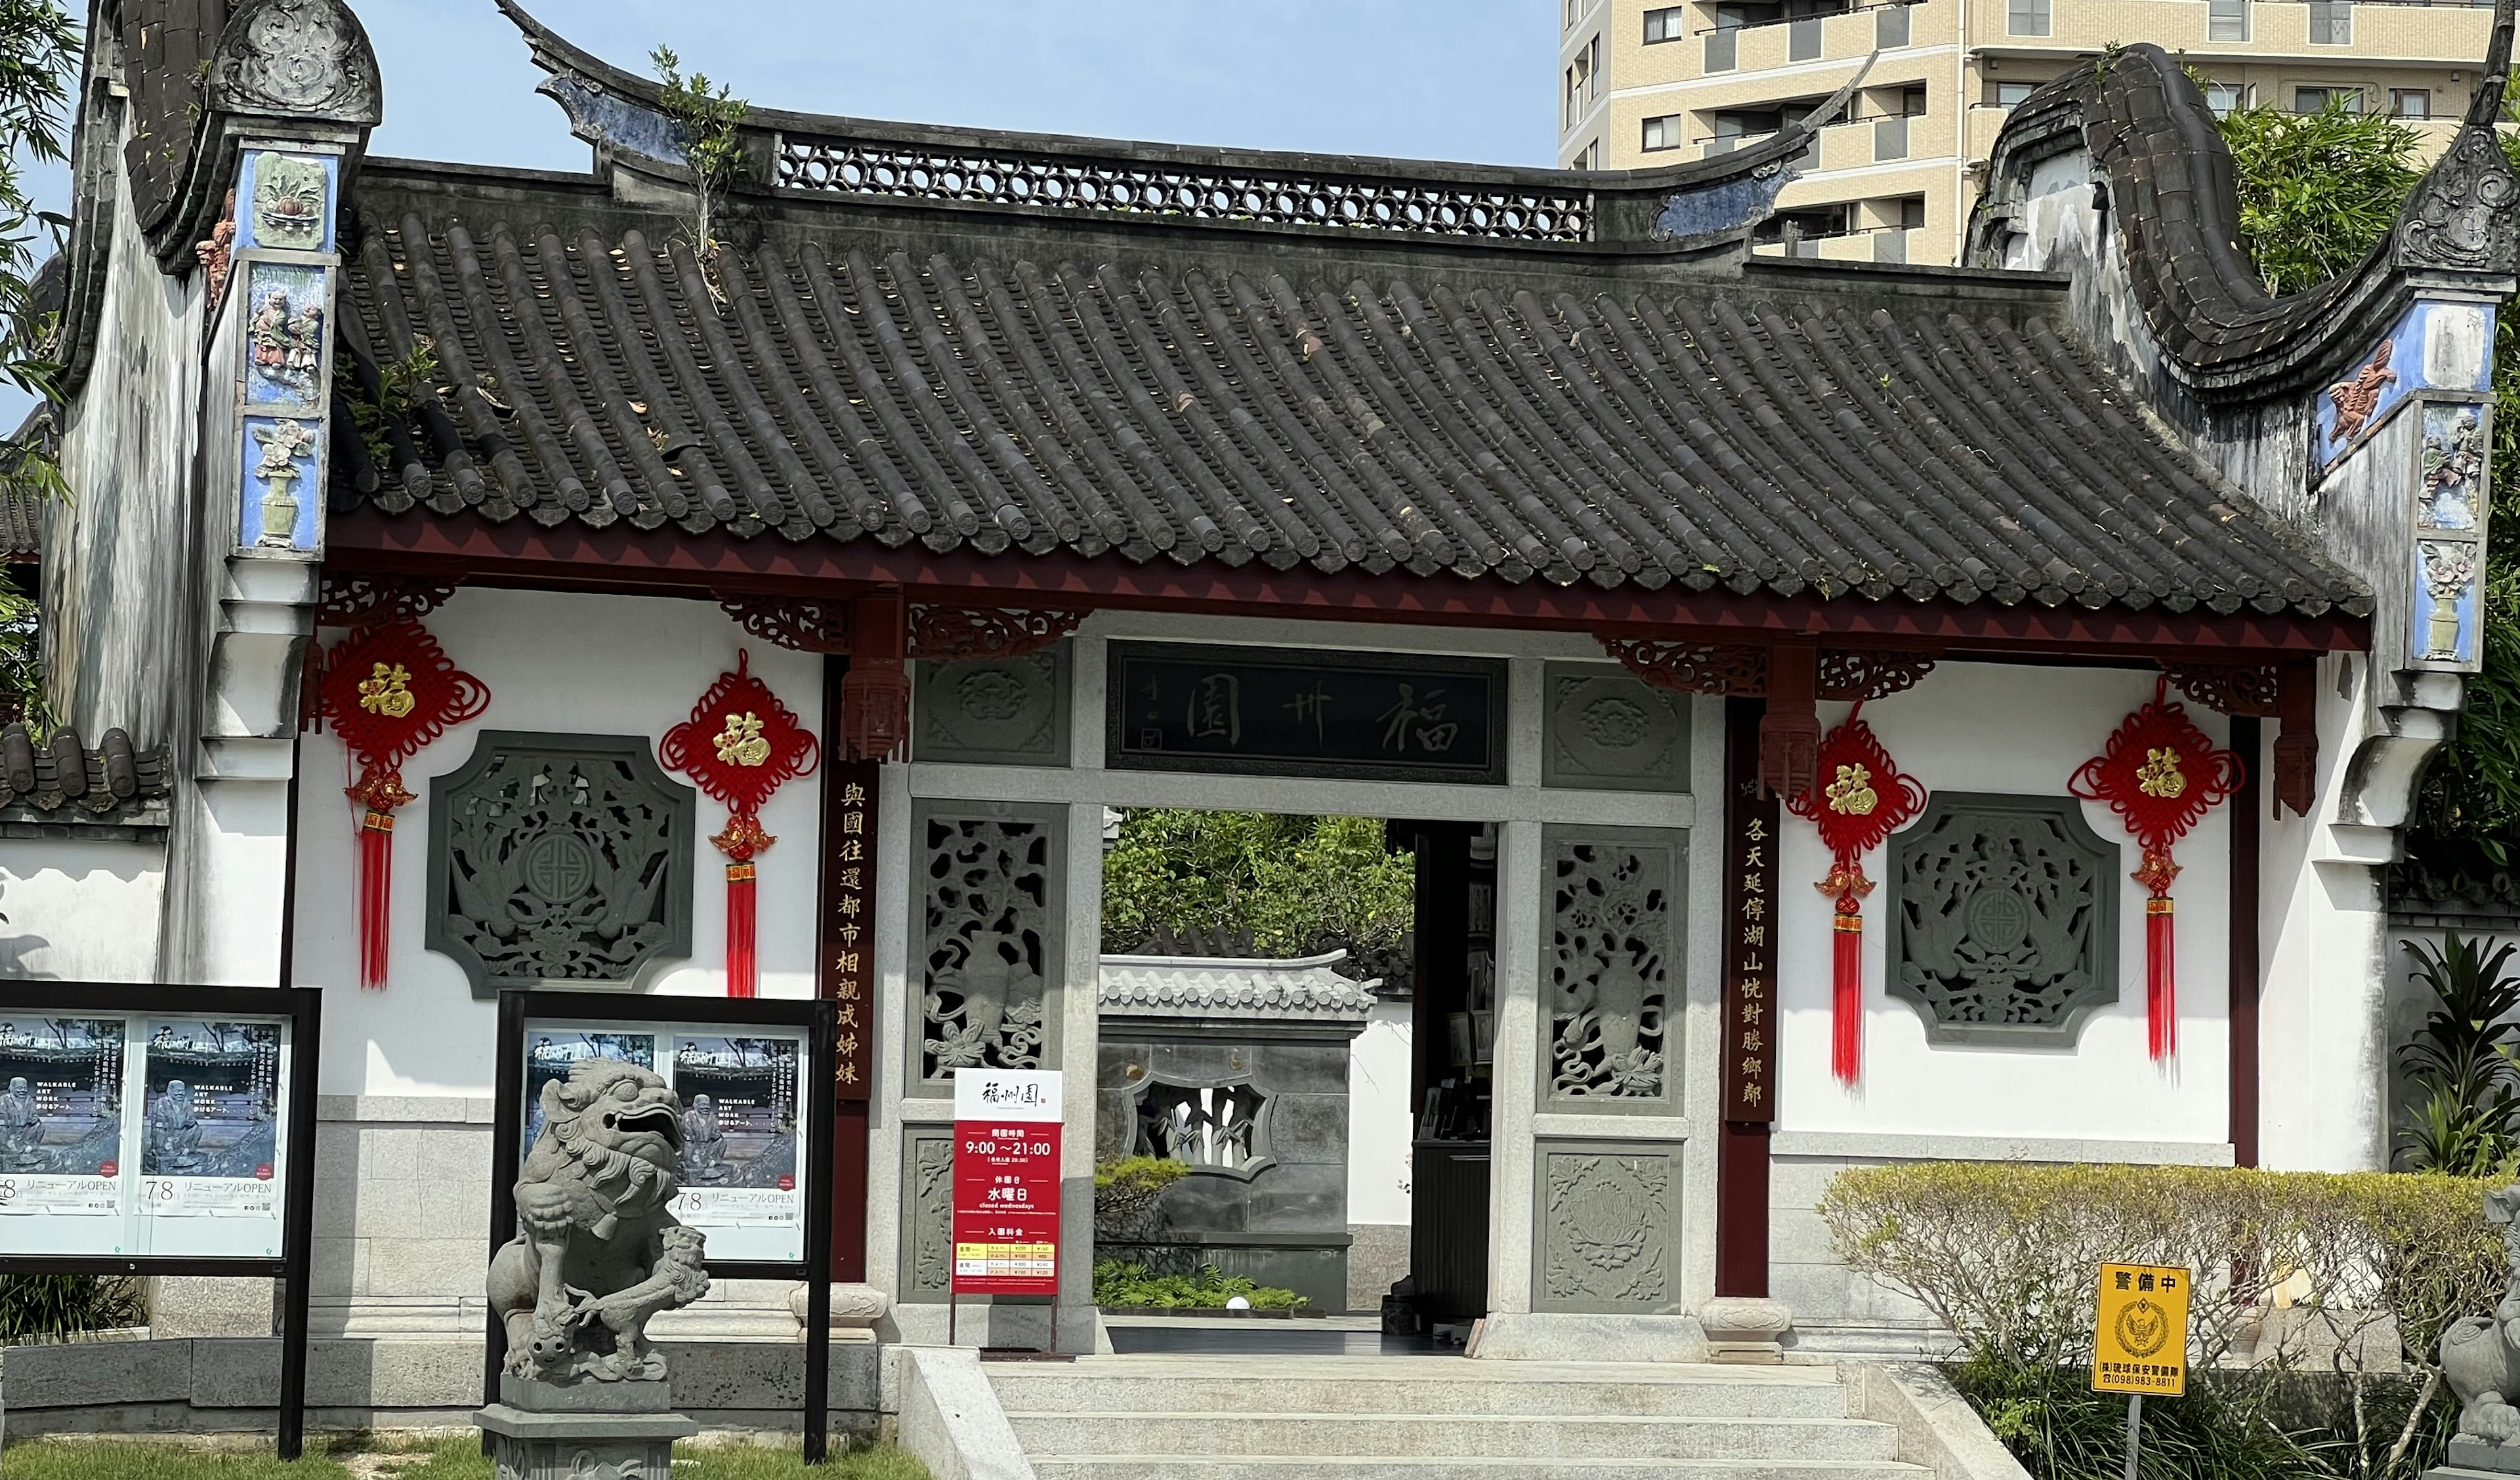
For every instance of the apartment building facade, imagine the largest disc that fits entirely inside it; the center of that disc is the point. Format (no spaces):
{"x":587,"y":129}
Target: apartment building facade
{"x":1648,"y":82}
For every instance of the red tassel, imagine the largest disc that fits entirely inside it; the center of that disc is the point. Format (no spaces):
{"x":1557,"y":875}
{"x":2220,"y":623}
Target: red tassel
{"x":2161,"y":978}
{"x":1846,"y":999}
{"x":742,"y":969}
{"x":376,"y":896}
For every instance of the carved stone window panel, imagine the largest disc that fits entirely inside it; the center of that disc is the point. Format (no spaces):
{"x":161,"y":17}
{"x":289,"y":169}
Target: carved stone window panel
{"x":1218,"y":1126}
{"x":926,"y":1213}
{"x":2003,"y":925}
{"x":559,"y":860}
{"x":1609,"y":731}
{"x":988,"y":937}
{"x":1612,"y":971}
{"x":1606,"y":1235}
{"x":1000,"y":711}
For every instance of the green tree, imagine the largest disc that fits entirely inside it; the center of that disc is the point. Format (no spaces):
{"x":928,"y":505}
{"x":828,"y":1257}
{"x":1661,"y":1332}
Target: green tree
{"x":2318,"y":191}
{"x":1294,"y":886}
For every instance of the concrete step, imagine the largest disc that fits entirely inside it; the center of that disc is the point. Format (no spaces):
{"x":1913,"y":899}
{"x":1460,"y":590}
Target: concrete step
{"x":1305,"y":1467}
{"x":1280,"y":1430}
{"x":1427,"y":1385}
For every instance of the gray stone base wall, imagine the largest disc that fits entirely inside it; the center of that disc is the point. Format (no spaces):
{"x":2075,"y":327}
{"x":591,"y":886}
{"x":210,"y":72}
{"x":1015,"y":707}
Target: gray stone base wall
{"x":209,"y":1385}
{"x":402,"y":1203}
{"x":1377,"y":1255}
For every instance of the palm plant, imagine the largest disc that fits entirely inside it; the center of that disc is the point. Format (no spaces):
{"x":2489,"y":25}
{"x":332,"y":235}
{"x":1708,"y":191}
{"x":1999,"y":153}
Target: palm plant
{"x":2462,"y":1061}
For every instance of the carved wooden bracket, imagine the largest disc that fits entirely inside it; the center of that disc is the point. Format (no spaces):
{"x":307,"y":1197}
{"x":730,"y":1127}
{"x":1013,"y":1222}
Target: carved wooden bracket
{"x":2279,"y":691}
{"x":364,"y":601}
{"x":949,"y":634}
{"x":800,"y":623}
{"x":1741,"y":669}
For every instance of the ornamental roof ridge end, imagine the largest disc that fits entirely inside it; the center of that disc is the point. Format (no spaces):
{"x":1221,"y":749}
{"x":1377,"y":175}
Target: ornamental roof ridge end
{"x":1695,"y":206}
{"x":2164,"y":182}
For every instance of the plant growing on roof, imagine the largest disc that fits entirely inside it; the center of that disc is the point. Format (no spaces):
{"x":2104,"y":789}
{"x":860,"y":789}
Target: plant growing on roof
{"x":707,"y":120}
{"x":2461,"y":1064}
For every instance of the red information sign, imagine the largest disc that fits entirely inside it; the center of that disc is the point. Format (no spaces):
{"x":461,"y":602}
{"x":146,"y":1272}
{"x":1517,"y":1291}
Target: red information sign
{"x":1006,"y":1181}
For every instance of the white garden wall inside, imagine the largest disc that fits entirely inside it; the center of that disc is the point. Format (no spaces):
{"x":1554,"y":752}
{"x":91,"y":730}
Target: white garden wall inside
{"x":74,"y":909}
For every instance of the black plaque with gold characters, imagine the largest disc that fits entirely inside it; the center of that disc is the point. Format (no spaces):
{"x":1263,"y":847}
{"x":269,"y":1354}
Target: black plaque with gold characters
{"x":1281,"y":711}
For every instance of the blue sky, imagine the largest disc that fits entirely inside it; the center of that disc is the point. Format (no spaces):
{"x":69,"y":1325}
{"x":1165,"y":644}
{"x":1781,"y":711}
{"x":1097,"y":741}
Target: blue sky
{"x":1468,"y":79}
{"x":1455,"y":79}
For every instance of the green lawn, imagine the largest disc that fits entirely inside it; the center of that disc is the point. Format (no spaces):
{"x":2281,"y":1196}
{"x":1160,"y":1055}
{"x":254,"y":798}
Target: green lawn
{"x":447,"y":1459}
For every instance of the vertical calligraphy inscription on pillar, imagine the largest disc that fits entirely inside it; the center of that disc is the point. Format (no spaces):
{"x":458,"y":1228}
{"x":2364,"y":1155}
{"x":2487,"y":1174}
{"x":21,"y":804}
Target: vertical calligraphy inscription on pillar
{"x":1749,"y":972}
{"x":850,"y":792}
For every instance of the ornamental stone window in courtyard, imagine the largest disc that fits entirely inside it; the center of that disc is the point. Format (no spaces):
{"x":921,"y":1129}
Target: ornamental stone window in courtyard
{"x":1610,"y":969}
{"x":560,"y":858}
{"x":2003,"y":924}
{"x":988,"y":938}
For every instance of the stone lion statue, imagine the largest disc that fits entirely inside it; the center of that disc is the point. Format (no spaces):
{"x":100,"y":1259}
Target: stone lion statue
{"x":2481,"y":1357}
{"x":598,"y":1252}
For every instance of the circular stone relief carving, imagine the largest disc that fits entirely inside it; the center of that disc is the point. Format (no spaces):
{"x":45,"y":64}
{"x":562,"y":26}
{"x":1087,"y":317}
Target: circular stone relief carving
{"x":1608,"y":1223}
{"x":1612,"y":726}
{"x":997,"y":706}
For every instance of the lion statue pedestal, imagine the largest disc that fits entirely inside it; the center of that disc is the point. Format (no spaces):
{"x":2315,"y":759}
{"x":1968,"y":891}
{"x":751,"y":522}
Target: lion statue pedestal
{"x":584,"y":1395}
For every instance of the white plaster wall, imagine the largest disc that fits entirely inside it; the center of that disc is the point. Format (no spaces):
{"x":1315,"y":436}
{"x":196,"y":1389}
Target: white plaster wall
{"x":77,"y":910}
{"x":1378,"y":1118}
{"x":2003,"y":729}
{"x":562,"y":662}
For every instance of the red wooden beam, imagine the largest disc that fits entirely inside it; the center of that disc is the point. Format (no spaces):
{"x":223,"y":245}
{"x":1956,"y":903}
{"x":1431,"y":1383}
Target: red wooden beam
{"x":671,"y":561}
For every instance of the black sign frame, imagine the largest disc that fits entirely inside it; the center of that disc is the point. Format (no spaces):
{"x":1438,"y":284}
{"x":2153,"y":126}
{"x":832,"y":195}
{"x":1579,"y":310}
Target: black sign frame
{"x":303,"y":1007}
{"x":814,"y":1016}
{"x":1122,"y":754}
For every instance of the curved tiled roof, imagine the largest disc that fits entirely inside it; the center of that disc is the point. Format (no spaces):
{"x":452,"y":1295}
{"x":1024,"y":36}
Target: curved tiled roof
{"x":1008,"y":385}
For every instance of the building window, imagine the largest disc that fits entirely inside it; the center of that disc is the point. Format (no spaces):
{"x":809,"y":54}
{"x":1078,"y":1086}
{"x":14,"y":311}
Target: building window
{"x":1669,"y":23}
{"x":2013,"y":94}
{"x":1574,"y":12}
{"x":2411,"y":102}
{"x":2223,"y":98}
{"x":2319,"y":100}
{"x":2227,"y":20}
{"x":2028,"y":18}
{"x":1663,"y":132}
{"x":1583,"y":81}
{"x":2331,"y":22}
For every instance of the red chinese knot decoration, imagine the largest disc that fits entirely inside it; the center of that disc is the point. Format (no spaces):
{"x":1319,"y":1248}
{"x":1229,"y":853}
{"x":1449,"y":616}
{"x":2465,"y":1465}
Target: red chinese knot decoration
{"x":739,"y":745}
{"x":2161,"y":775}
{"x":387,"y":691}
{"x":1858,"y":798}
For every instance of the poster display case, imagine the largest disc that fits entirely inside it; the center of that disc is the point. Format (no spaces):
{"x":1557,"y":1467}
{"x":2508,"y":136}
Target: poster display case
{"x":755,"y":1077}
{"x":163,"y":1129}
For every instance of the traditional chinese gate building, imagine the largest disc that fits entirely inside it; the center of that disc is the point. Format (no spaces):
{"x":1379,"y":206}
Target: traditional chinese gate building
{"x":1533,"y":509}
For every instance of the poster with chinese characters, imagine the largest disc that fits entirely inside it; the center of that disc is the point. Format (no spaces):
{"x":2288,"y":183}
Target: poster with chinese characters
{"x":61,"y":1117}
{"x":209,"y":1121}
{"x":742,"y":1103}
{"x":1006,"y":1125}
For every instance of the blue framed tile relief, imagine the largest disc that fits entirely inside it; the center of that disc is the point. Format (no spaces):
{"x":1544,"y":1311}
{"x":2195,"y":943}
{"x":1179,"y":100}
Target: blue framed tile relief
{"x":283,"y":332}
{"x":279,"y":489}
{"x":284,"y":201}
{"x":2446,"y":600}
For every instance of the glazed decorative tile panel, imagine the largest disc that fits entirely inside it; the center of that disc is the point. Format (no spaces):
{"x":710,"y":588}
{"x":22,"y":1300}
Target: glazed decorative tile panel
{"x":282,"y":493}
{"x":284,"y":321}
{"x":284,"y":201}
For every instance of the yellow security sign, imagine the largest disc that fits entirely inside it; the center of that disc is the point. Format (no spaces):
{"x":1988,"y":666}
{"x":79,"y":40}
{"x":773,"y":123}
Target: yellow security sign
{"x":2141,"y":1342}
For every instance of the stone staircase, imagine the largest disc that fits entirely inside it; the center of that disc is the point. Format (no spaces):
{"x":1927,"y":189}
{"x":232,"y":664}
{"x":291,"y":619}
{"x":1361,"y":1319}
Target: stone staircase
{"x":1239,"y":1417}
